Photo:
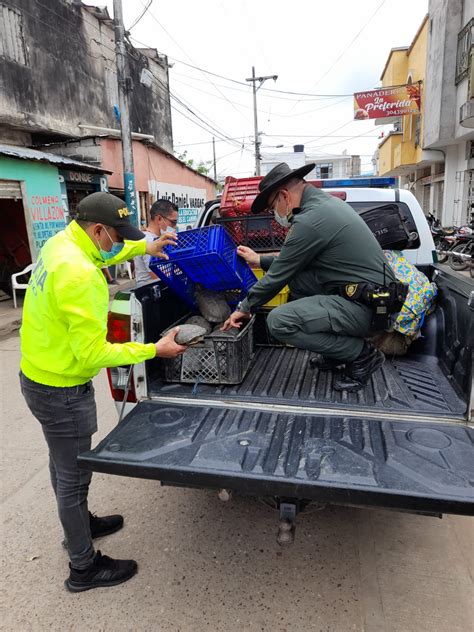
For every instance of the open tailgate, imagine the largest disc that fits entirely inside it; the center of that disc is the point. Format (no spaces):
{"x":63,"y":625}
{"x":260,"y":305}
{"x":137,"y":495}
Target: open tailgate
{"x":358,"y":460}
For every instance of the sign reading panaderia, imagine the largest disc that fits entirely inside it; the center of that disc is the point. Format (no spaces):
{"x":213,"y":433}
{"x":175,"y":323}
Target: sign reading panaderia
{"x":396,"y":101}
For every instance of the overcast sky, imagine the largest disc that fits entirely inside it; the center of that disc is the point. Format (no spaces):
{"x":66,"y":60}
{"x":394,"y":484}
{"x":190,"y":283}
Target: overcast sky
{"x":320,"y":48}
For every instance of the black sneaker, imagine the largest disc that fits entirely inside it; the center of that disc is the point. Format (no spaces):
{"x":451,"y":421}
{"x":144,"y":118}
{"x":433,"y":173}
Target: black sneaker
{"x":104,"y":571}
{"x":357,"y":373}
{"x":102,"y":526}
{"x":325,"y":364}
{"x":105,"y":525}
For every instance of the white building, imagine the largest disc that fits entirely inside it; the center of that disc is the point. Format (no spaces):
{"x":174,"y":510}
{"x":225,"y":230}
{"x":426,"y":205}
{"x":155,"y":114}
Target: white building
{"x":327,"y":165}
{"x":449,"y":98}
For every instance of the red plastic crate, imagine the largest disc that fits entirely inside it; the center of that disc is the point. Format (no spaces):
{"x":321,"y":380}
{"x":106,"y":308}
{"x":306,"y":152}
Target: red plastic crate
{"x":238,"y":195}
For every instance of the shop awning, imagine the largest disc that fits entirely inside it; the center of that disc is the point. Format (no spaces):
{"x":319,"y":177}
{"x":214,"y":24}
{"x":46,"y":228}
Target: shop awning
{"x":25,"y":153}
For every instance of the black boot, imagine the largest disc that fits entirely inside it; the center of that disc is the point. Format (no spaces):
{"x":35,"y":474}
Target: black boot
{"x":104,"y":571}
{"x":105,"y":525}
{"x":357,"y":373}
{"x":325,"y":364}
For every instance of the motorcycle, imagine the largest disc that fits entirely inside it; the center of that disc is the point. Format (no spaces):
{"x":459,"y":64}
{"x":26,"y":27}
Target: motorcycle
{"x":460,"y":254}
{"x":444,"y":238}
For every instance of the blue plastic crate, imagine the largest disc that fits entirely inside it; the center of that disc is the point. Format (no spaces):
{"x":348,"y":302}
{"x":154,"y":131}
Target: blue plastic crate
{"x":175,"y":271}
{"x":175,"y":278}
{"x":209,"y":257}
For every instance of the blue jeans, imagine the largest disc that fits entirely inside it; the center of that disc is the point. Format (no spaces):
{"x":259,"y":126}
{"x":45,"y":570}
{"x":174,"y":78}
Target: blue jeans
{"x":68,"y":418}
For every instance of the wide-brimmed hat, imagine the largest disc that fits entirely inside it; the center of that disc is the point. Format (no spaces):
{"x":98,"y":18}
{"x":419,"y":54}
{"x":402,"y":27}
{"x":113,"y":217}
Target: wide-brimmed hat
{"x":274,"y":179}
{"x":108,"y":209}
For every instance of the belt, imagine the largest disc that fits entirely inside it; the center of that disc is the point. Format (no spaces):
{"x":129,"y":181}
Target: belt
{"x":384,"y":300}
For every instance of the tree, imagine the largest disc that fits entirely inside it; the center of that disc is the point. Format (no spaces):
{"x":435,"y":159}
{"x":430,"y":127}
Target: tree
{"x":202,"y":167}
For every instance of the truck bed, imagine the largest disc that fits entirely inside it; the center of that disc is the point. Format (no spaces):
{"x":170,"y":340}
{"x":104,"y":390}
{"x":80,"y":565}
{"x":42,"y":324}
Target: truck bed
{"x":282,"y":375}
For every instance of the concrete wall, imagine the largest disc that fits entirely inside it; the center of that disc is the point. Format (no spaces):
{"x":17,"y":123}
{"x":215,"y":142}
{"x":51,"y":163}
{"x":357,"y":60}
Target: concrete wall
{"x":152,"y":165}
{"x":446,"y":20}
{"x":41,"y":193}
{"x":69,"y":76}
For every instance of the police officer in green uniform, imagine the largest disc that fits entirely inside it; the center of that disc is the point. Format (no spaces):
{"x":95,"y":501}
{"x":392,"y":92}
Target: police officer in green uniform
{"x":329,"y":255}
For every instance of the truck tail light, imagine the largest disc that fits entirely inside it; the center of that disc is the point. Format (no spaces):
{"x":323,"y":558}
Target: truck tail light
{"x":342,"y":195}
{"x":118,"y":377}
{"x":118,"y":331}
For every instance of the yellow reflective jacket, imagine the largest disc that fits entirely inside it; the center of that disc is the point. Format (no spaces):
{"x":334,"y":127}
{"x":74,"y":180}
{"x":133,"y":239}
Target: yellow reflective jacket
{"x":64,"y":329}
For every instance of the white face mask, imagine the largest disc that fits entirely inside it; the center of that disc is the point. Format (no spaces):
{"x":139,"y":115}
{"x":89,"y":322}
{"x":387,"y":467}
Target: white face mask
{"x":169,"y":229}
{"x":283,"y":221}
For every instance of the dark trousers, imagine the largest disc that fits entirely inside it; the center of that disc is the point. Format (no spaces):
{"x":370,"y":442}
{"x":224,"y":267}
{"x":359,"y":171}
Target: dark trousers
{"x":68,"y":418}
{"x":330,"y":325}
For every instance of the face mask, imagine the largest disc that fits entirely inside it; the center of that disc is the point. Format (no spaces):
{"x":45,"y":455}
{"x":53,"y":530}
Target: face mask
{"x":117,"y":247}
{"x":283,"y":221}
{"x":169,"y":229}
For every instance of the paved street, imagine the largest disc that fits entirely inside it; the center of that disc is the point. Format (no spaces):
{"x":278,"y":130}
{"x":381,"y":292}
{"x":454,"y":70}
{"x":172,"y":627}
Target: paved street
{"x":206,"y":565}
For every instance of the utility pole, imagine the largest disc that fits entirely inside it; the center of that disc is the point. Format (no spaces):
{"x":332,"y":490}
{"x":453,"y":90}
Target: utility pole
{"x":123,"y":82}
{"x":214,"y":154}
{"x":261,"y":80}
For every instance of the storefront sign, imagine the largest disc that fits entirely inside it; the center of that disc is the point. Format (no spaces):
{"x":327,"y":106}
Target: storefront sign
{"x":189,"y":200}
{"x":386,"y":102}
{"x":47,"y":215}
{"x":81,"y":177}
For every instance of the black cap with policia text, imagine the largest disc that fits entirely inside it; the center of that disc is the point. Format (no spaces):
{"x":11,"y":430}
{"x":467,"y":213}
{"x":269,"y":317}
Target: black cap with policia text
{"x":108,"y":209}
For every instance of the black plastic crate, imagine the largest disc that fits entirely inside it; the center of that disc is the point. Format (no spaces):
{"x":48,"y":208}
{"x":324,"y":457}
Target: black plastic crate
{"x":259,"y":232}
{"x":219,"y":359}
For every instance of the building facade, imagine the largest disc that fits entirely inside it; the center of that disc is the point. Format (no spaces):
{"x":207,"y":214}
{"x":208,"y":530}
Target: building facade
{"x":58,"y":98}
{"x":326,"y":165}
{"x":402,"y":151}
{"x":34,"y":202}
{"x":449,"y":120}
{"x":58,"y":77}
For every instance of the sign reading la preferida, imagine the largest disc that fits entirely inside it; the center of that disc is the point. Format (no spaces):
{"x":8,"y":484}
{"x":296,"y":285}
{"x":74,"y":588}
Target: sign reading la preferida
{"x":385,"y":102}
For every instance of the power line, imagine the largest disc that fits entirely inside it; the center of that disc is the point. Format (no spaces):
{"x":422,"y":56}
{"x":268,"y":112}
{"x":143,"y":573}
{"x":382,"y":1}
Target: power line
{"x":216,"y":96}
{"x":181,"y":101}
{"x":266,"y":96}
{"x":350,"y":44}
{"x":181,"y":48}
{"x":141,"y":15}
{"x":344,"y":51}
{"x":241,"y":83}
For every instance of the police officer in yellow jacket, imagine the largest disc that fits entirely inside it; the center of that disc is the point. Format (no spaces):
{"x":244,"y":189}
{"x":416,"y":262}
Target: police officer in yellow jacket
{"x":63,"y":346}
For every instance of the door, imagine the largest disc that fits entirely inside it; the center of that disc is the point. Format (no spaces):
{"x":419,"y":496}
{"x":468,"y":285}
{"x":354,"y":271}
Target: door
{"x":412,"y":465}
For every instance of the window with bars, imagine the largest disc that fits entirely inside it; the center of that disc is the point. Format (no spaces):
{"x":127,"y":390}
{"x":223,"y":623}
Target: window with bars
{"x":324,"y":170}
{"x":463,"y":57}
{"x":12,"y":42}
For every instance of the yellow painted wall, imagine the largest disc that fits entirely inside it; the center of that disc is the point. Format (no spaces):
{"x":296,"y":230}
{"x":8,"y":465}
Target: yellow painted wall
{"x":396,"y":72}
{"x":387,"y":151}
{"x":400,"y":150}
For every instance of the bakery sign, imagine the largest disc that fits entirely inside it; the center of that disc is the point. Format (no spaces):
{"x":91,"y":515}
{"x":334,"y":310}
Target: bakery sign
{"x":396,"y":101}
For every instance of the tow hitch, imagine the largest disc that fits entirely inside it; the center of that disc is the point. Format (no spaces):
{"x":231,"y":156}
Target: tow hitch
{"x":287,"y":524}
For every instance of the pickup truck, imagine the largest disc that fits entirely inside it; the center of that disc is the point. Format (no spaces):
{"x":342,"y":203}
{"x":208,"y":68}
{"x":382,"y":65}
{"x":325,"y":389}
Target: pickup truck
{"x":404,"y":442}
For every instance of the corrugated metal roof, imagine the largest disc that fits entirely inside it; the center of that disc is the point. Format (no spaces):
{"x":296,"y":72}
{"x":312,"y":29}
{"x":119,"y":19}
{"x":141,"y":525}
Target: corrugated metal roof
{"x":25,"y":153}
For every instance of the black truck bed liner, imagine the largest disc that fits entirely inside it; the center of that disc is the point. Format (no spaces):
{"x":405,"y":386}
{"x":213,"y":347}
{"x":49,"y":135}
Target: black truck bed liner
{"x":282,"y":375}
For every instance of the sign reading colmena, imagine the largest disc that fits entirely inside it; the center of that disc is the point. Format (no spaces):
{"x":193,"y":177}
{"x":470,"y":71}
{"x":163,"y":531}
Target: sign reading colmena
{"x":385,"y":102}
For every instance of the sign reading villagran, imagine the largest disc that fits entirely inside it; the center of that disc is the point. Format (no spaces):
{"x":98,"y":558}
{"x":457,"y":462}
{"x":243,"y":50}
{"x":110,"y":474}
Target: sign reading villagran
{"x":385,"y":102}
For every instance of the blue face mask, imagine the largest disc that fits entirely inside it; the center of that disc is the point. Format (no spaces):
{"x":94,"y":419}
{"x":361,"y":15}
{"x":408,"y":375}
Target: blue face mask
{"x":117,"y":246}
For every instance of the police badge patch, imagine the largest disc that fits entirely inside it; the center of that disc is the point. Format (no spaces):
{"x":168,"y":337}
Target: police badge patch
{"x":351,"y":289}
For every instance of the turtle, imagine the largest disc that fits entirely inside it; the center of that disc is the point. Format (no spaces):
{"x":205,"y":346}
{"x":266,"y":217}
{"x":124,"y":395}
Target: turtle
{"x":212,"y":305}
{"x":200,"y":322}
{"x":189,"y":335}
